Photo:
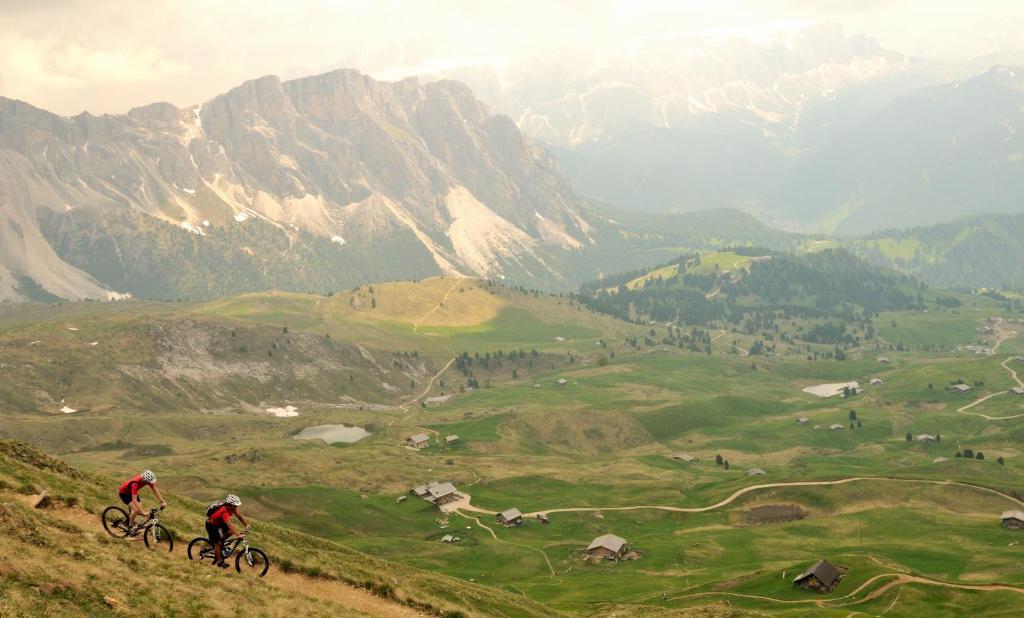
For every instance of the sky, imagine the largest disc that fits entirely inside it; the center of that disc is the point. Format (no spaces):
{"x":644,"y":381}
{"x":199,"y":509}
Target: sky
{"x":107,"y":56}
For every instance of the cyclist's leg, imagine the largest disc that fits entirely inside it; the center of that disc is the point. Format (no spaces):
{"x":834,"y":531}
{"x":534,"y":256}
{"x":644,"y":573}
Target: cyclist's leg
{"x":126,"y":498}
{"x":217,"y":540}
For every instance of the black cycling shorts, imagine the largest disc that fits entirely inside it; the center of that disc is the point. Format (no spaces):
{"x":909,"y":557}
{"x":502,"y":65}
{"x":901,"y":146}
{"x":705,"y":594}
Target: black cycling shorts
{"x":217,"y":532}
{"x":127,"y":498}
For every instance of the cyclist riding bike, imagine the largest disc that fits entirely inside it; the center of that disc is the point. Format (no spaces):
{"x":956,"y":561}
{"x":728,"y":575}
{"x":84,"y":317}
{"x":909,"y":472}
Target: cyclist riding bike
{"x":129,"y":494}
{"x":219,"y":527}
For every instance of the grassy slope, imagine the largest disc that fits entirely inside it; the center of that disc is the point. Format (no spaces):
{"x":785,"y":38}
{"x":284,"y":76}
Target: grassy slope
{"x":605,"y":439}
{"x":75,"y":565}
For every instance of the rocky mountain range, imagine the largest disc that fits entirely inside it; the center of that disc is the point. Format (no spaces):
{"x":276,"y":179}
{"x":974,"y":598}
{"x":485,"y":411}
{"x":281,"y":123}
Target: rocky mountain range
{"x":315,"y":183}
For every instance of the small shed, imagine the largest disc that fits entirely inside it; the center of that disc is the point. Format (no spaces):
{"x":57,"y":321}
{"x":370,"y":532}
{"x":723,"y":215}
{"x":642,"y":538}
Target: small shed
{"x":926,"y":437}
{"x":452,"y":439}
{"x":818,"y":428}
{"x":1013,"y":519}
{"x":803,"y":420}
{"x":447,"y":539}
{"x":510,"y":518}
{"x":875,"y":382}
{"x":561,"y":382}
{"x":608,"y":546}
{"x":420,"y":440}
{"x":822,"y":576}
{"x":959,"y":388}
{"x":688,"y":458}
{"x":837,"y":427}
{"x":884,"y":360}
{"x":756,"y":472}
{"x":1017,"y":390}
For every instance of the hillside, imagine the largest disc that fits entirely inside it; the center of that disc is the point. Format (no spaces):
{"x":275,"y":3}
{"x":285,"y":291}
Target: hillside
{"x":58,"y":560}
{"x":697,"y":289}
{"x":93,"y":367}
{"x":976,"y":252}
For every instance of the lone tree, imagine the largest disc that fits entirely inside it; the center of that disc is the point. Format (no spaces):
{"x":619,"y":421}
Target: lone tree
{"x":726,"y":464}
{"x":858,"y":423}
{"x":979,"y":455}
{"x":938,"y":437}
{"x":718,"y":459}
{"x":1000,"y":460}
{"x":968,"y":453}
{"x":853,"y":415}
{"x":909,"y":437}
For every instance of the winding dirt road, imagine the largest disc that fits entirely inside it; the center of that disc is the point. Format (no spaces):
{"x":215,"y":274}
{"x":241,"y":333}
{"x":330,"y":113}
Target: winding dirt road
{"x":465,"y":505}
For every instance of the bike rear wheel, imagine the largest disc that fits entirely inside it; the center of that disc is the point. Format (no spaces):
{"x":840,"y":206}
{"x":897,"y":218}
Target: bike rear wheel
{"x":115,"y":521}
{"x":256,"y":562}
{"x":200,"y":549}
{"x":158,"y":537}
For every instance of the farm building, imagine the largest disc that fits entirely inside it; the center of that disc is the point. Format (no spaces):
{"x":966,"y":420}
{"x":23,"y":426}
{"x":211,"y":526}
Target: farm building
{"x":510,"y":518}
{"x":561,"y":382}
{"x":756,"y":472}
{"x":959,"y":388}
{"x":803,"y":420}
{"x":1017,"y":390}
{"x":608,"y":546}
{"x":420,"y":440}
{"x":1013,"y":519}
{"x":884,"y":360}
{"x":837,"y":427}
{"x":452,"y":439}
{"x":685,"y":457}
{"x":926,"y":437}
{"x":875,"y":382}
{"x":436,"y":493}
{"x":822,"y":576}
{"x":447,"y":539}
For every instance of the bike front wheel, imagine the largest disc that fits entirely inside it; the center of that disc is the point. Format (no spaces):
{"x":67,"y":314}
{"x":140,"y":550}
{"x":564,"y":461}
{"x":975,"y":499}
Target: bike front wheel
{"x":115,"y":521}
{"x":254,"y":561}
{"x":158,"y":537}
{"x":200,"y":549}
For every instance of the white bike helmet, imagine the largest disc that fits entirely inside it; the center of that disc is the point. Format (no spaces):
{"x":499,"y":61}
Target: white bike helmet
{"x":233,"y":500}
{"x":148,"y":476}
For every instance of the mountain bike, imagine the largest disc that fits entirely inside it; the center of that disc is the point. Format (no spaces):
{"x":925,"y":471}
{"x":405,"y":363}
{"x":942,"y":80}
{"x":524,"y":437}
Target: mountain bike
{"x":253,"y":560}
{"x":154,"y":534}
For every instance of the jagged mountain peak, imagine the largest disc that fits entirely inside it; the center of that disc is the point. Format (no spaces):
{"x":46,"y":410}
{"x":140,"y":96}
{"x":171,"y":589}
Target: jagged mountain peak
{"x":430,"y":163}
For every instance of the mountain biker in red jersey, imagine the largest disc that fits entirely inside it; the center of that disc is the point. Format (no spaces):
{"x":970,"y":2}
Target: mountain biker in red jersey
{"x":219,"y":527}
{"x":129,"y":494}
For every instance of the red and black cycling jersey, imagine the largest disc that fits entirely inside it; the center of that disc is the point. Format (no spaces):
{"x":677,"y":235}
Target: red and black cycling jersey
{"x":133,"y":485}
{"x":222,"y":516}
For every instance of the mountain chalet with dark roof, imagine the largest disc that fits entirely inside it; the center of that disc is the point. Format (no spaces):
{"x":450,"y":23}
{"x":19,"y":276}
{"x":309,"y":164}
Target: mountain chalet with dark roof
{"x":510,"y":518}
{"x":608,"y":546}
{"x":822,"y":576}
{"x":420,"y":440}
{"x":436,"y":493}
{"x":1013,"y":519}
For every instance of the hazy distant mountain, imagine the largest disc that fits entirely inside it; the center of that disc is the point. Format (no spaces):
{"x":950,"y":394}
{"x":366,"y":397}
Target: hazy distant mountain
{"x":316,"y":183}
{"x":687,"y":123}
{"x":935,"y":155}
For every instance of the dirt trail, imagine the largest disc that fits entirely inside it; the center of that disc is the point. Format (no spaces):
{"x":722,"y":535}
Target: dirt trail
{"x":415,"y":330}
{"x":900,"y":579}
{"x":496,"y":538}
{"x":1016,"y":378}
{"x":741,"y":492}
{"x":331,"y":591}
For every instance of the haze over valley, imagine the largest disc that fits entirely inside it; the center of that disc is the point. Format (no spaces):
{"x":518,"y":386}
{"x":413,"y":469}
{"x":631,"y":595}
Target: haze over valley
{"x":572,"y":309}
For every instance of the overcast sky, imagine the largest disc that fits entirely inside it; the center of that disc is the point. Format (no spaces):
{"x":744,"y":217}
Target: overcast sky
{"x":108,"y":56}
